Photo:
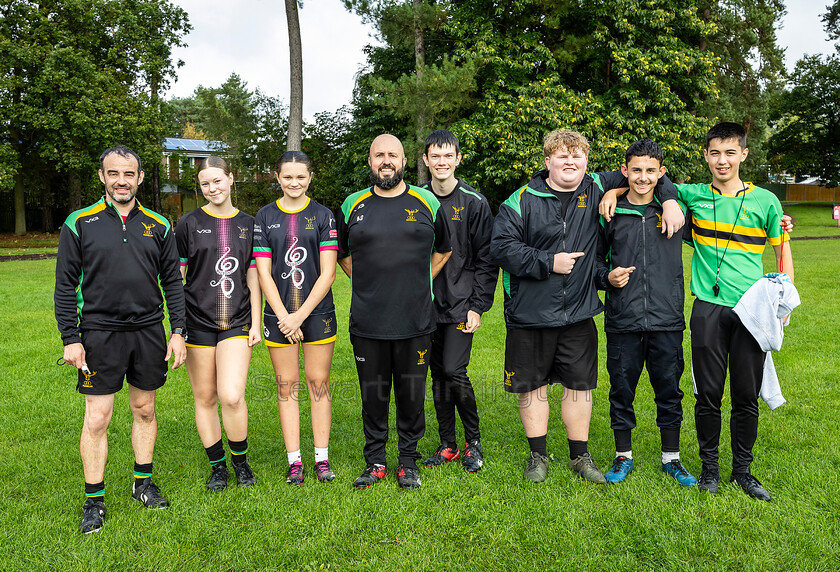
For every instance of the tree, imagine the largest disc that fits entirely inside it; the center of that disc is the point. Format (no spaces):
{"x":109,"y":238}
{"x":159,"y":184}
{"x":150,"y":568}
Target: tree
{"x":807,"y":136}
{"x":296,"y":76}
{"x":831,"y":19}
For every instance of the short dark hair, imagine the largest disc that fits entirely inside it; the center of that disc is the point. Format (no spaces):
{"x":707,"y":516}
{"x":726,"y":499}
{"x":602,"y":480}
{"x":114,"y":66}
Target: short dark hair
{"x":213,"y":161}
{"x":644,"y":148}
{"x":122,"y":151}
{"x":293,"y":157}
{"x":441,"y":138}
{"x":727,"y":130}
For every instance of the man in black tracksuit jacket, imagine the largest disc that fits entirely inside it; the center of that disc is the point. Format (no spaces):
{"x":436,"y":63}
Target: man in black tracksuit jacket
{"x":642,"y":273}
{"x":112,"y":256}
{"x":463,"y":291}
{"x":545,"y":240}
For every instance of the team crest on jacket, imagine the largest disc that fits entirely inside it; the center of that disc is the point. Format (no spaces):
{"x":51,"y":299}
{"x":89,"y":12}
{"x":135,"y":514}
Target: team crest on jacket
{"x":310,"y":222}
{"x":411,"y":213}
{"x":148,"y":227}
{"x":243,"y":232}
{"x":658,"y":220}
{"x":457,"y":215}
{"x":582,"y":201}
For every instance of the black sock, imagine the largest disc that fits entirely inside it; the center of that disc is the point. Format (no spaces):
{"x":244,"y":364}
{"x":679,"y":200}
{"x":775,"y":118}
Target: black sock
{"x":577,"y":448}
{"x":670,"y":440}
{"x":622,"y":440}
{"x":238,"y":451}
{"x":537,"y":445}
{"x":142,"y":471}
{"x":215,"y":453}
{"x":95,"y":491}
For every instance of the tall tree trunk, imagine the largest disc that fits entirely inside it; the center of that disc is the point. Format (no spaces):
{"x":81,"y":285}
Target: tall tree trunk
{"x":420,"y":64}
{"x":20,"y":205}
{"x":46,"y":208}
{"x":295,"y":134}
{"x":74,"y":183}
{"x":155,"y":101}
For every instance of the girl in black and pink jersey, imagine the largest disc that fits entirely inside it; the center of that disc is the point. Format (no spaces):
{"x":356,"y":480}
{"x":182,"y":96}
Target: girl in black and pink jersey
{"x":296,"y":247}
{"x":215,"y":243}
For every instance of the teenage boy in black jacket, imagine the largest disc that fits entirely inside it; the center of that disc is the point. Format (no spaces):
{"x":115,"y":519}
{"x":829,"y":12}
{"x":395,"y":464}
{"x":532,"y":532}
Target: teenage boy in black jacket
{"x":463,"y":292}
{"x":642,"y":272}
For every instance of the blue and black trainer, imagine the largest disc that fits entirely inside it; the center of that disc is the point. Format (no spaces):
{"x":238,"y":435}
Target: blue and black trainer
{"x":680,"y":473}
{"x":621,"y":467}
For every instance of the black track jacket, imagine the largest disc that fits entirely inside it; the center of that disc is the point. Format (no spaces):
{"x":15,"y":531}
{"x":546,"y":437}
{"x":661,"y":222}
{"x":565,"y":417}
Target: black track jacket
{"x":107,"y":273}
{"x":530,"y":229}
{"x":468,"y":279}
{"x":653,"y":298}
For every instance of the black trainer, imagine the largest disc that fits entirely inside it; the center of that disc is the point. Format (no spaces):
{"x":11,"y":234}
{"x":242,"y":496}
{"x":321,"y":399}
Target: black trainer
{"x":708,"y":481}
{"x":218,"y":477}
{"x":445,"y":454}
{"x":408,"y":478}
{"x":371,"y":475}
{"x":473,"y":459}
{"x":244,"y":475}
{"x":148,"y":493}
{"x":750,"y":485}
{"x":93,"y":512}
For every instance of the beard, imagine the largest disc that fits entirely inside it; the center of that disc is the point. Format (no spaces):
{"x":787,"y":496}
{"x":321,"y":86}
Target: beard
{"x":386,"y":184}
{"x":120,"y":200}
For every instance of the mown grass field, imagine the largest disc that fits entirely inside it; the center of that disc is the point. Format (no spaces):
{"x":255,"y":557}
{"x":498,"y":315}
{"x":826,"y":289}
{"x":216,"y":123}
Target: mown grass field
{"x":492,"y":520}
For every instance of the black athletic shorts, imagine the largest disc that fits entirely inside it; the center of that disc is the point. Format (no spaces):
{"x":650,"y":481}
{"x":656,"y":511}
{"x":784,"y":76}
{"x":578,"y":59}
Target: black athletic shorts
{"x":568,"y":355}
{"x":320,"y":329}
{"x":136,"y":356}
{"x":204,"y":339}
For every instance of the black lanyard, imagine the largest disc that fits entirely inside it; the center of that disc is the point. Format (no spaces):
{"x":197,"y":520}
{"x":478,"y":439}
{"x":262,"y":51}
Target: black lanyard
{"x":716,"y":287}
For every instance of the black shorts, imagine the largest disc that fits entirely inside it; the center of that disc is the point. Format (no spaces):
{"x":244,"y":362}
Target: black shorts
{"x":204,"y":339}
{"x":320,"y":329}
{"x":136,"y":356}
{"x":568,"y":355}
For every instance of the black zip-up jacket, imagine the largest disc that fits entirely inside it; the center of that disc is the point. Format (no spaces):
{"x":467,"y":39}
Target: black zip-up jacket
{"x":107,"y":272}
{"x":468,"y":279}
{"x":530,"y":229}
{"x":653,"y":298}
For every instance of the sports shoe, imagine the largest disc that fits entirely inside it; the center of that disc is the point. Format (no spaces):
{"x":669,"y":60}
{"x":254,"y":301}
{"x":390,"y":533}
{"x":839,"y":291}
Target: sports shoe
{"x":324,"y":472}
{"x":244,"y":474}
{"x":148,"y":493}
{"x":93,"y":512}
{"x":536,"y":468}
{"x":621,"y":467}
{"x":473,"y":459}
{"x":750,"y":485}
{"x":218,"y":477}
{"x":295,"y":474}
{"x":586,"y":468}
{"x":408,"y":478}
{"x":680,"y":473}
{"x":709,"y":481}
{"x":444,"y":454}
{"x":372,"y":475}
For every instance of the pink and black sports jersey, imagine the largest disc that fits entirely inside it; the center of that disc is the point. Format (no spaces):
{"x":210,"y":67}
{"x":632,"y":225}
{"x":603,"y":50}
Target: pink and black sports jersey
{"x":217,"y":252}
{"x":294,"y":241}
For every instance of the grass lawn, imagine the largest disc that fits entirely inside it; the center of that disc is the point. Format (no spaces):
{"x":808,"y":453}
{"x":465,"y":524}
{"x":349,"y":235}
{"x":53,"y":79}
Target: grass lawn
{"x":492,"y":520}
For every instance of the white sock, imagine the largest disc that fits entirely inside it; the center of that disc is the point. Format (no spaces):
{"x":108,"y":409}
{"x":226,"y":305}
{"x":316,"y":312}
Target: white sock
{"x":294,"y":457}
{"x":628,"y":454}
{"x":669,"y":456}
{"x":321,"y":454}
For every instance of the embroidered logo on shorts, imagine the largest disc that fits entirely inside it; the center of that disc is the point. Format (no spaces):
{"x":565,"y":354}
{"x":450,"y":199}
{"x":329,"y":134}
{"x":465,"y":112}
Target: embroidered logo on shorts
{"x":327,"y":325}
{"x":243,"y":232}
{"x":581,"y":201}
{"x":461,"y":326}
{"x":421,"y":355}
{"x":265,"y":332}
{"x":245,"y":329}
{"x":310,"y":222}
{"x":148,"y":227}
{"x":457,"y":215}
{"x":87,"y":383}
{"x":508,"y":375}
{"x":411,"y":213}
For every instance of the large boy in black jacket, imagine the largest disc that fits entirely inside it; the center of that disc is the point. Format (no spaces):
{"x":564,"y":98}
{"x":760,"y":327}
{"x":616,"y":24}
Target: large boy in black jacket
{"x":463,"y":292}
{"x":642,"y":272}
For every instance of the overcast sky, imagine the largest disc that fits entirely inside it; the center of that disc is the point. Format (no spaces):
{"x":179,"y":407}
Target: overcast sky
{"x":250,"y":37}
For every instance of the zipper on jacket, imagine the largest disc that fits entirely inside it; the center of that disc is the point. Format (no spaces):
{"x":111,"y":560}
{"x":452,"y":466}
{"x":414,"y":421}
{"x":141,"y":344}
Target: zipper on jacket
{"x":563,"y":276}
{"x":125,"y":239}
{"x":644,"y":268}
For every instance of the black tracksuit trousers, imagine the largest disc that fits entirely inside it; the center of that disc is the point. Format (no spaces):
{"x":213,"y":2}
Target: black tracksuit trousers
{"x":451,"y":388}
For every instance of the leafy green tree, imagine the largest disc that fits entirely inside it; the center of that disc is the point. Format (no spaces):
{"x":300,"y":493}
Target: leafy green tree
{"x":807,"y":136}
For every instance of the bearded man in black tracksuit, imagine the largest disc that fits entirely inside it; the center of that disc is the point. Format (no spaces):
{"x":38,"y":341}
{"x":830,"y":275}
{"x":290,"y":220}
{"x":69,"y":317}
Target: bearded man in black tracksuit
{"x":545,"y":240}
{"x":642,"y":273}
{"x":463,"y":292}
